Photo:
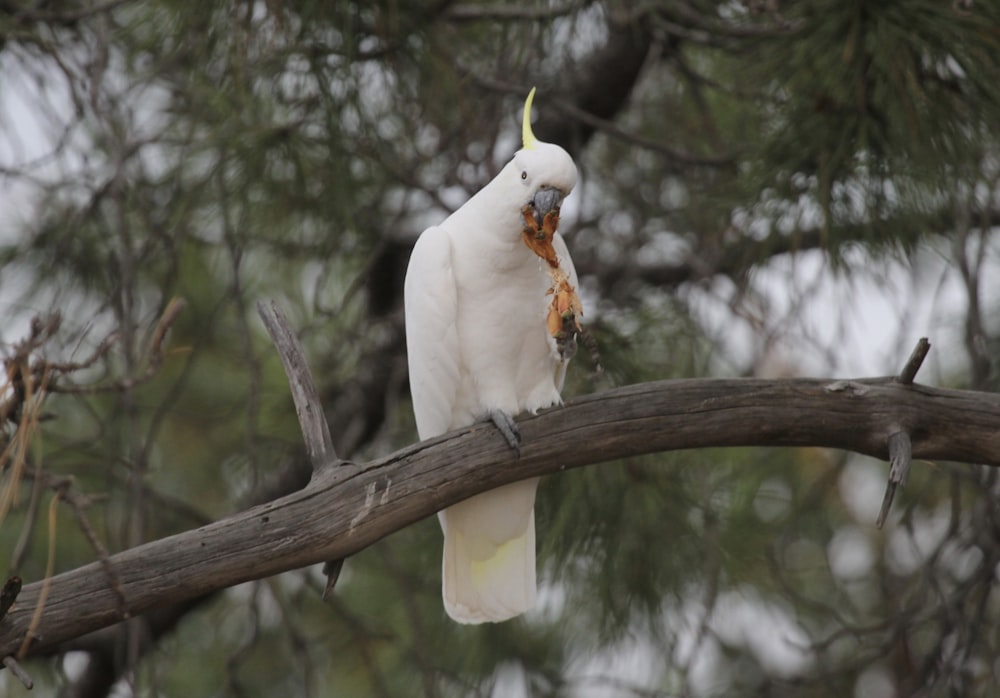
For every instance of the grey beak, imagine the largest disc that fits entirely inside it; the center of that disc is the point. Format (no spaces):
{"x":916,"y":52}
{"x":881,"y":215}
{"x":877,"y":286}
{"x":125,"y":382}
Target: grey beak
{"x":545,"y":200}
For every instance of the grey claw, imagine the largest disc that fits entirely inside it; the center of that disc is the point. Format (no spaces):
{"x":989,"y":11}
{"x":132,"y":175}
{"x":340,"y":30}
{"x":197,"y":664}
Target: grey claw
{"x":508,"y":427}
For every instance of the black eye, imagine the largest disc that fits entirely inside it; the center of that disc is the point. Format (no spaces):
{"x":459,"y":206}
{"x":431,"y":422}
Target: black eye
{"x":524,"y":174}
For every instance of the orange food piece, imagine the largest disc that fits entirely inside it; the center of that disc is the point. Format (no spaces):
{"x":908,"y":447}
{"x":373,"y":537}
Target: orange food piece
{"x":554,"y":323}
{"x":561,"y":320}
{"x":539,"y":240}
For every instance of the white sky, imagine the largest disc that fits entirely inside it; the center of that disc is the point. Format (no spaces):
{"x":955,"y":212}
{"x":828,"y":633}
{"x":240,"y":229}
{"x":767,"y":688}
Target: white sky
{"x":864,"y":323}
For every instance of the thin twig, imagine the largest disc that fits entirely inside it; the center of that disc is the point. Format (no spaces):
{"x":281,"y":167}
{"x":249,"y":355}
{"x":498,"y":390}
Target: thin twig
{"x":913,"y":363}
{"x":43,"y":594}
{"x":166,"y":321}
{"x":16,"y":451}
{"x":18,"y":671}
{"x":78,"y":503}
{"x":28,"y":527}
{"x":73,"y":366}
{"x":155,"y":355}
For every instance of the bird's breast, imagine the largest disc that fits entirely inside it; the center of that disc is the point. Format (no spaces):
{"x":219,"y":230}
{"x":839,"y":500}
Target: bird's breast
{"x":508,"y":360}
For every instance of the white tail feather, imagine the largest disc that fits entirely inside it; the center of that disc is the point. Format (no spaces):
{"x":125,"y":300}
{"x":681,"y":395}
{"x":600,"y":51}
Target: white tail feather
{"x":489,"y":555}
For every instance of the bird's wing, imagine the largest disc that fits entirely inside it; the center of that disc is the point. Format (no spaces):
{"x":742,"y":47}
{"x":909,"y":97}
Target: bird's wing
{"x":430,"y":300}
{"x":565,"y":261}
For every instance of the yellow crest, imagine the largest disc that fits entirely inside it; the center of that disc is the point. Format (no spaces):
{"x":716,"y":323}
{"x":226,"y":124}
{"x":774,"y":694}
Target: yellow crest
{"x":527,"y":137}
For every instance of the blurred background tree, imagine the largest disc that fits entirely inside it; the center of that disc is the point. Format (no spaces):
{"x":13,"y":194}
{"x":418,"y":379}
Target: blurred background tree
{"x":767,"y":188}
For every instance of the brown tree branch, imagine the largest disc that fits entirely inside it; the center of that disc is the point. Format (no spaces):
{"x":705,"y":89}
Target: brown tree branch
{"x":346,"y":509}
{"x":315,"y":430}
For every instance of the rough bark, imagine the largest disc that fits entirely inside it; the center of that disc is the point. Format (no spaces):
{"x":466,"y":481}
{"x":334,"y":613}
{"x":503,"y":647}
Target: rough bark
{"x":346,"y":508}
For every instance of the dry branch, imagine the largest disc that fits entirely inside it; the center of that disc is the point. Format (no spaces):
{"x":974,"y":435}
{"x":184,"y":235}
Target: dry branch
{"x":315,"y":430}
{"x":312,"y":421}
{"x":346,"y":509}
{"x":915,"y":361}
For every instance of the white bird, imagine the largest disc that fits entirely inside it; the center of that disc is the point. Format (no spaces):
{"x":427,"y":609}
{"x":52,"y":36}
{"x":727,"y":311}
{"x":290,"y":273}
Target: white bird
{"x":480,"y":342}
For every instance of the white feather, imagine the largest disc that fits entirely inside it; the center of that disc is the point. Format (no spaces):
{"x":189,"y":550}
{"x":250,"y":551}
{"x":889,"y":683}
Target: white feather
{"x":477,"y":341}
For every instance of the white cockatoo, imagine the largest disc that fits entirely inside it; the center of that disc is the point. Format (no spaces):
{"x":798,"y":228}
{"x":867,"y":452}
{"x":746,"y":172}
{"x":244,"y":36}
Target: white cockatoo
{"x":491,"y":310}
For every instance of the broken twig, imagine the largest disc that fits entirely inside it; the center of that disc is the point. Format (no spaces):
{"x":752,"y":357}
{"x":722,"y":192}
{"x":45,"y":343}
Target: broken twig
{"x":315,"y":430}
{"x":913,"y":363}
{"x":18,"y":671}
{"x":900,"y":459}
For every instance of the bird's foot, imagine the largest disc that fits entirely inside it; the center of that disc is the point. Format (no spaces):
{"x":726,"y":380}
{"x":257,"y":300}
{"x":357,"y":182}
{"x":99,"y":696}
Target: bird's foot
{"x":508,"y":427}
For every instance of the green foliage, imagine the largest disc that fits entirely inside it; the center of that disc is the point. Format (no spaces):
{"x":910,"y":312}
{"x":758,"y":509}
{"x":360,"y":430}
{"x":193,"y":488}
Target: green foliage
{"x":875,"y":104}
